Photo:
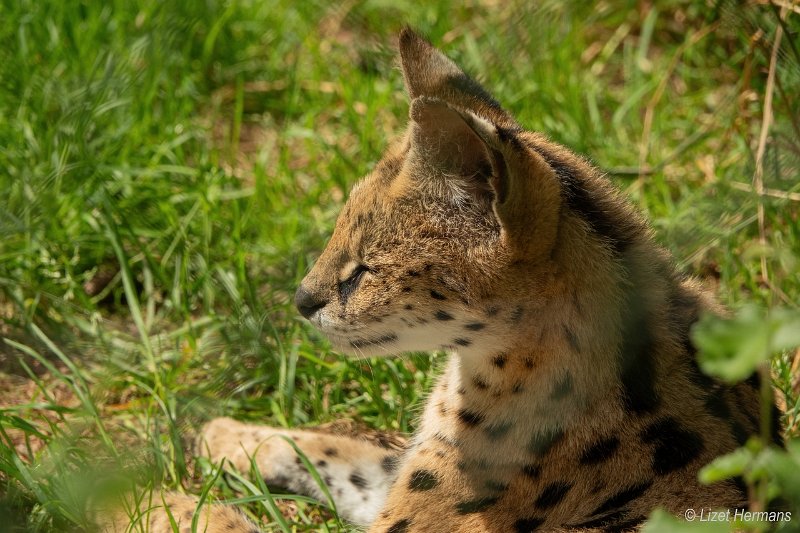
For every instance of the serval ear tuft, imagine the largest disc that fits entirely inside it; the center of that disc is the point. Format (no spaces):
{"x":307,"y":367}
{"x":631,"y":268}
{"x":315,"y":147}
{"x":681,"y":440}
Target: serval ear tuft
{"x":489,"y":162}
{"x":428,"y":72}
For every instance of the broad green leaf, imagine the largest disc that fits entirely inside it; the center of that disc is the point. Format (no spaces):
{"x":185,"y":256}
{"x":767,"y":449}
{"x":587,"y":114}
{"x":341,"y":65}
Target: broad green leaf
{"x":787,"y":330}
{"x":784,"y":468}
{"x":726,"y":466}
{"x":732,"y":349}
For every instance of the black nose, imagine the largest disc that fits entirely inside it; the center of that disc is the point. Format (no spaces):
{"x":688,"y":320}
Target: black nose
{"x":306,"y":302}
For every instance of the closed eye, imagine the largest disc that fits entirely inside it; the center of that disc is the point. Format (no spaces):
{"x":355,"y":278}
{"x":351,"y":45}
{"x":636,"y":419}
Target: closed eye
{"x":349,"y":285}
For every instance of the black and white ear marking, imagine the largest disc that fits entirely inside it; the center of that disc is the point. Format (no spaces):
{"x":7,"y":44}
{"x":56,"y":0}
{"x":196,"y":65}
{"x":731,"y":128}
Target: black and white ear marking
{"x":490,"y":162}
{"x":443,"y":143}
{"x":462,"y":140}
{"x":482,"y":127}
{"x":459,"y":143}
{"x":489,"y":135}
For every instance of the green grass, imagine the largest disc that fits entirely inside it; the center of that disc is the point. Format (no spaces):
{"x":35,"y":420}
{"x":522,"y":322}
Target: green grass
{"x":185,"y":161}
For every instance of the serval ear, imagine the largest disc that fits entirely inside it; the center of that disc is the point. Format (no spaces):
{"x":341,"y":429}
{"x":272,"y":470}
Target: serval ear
{"x":487,"y":162}
{"x":428,"y":72}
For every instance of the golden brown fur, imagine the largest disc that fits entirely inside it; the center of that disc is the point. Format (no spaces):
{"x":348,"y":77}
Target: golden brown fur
{"x":572,"y":399}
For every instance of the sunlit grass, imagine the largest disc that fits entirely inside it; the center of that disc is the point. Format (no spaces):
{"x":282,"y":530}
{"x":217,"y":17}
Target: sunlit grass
{"x":171,"y":169}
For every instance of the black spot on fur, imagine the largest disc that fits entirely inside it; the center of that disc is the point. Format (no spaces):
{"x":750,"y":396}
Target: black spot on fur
{"x":776,"y":429}
{"x":754,"y":381}
{"x":401,"y":526}
{"x":408,"y":307}
{"x":500,"y":360}
{"x":597,"y":486}
{"x":479,"y":383}
{"x":412,"y":273}
{"x":357,"y":479}
{"x":517,"y":313}
{"x":406,"y":289}
{"x":627,"y":525}
{"x":739,"y":433}
{"x":532,"y":471}
{"x":471,"y":465}
{"x":390,"y":463}
{"x":600,"y":451}
{"x":497,"y":431}
{"x":716,"y":403}
{"x":528,"y":362}
{"x":437,"y":295}
{"x":277,"y":481}
{"x":441,"y":437}
{"x":622,"y":498}
{"x":527,"y":525}
{"x":322,"y":463}
{"x":741,"y":487}
{"x":675,"y":446}
{"x":462,"y":342}
{"x":495,"y":486}
{"x":542,"y":441}
{"x":475,"y":326}
{"x":702,"y":381}
{"x":475,"y":506}
{"x":572,"y":339}
{"x":749,"y":409}
{"x":517,"y":388}
{"x":422,"y":480}
{"x":363,"y":343}
{"x":469,"y":418}
{"x":562,"y":388}
{"x":552,"y":495}
{"x":637,"y":364}
{"x":389,"y":166}
{"x":616,"y":521}
{"x":443,"y":315}
{"x":492,"y":311}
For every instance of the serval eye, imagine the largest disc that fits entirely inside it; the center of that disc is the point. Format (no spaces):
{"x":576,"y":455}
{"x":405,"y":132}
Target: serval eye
{"x":349,"y":285}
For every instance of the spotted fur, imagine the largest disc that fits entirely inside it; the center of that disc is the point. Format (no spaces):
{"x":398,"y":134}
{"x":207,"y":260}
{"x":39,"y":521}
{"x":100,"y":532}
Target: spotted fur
{"x":571,"y":399}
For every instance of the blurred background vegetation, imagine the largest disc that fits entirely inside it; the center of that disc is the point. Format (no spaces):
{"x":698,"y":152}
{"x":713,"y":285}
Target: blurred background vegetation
{"x":169,"y":171}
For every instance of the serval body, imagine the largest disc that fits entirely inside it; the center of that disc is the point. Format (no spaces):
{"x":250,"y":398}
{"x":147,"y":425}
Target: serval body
{"x":571,"y":399}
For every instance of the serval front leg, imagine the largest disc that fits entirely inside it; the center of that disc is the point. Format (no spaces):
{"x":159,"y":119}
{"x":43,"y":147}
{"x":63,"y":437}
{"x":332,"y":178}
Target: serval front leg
{"x":357,"y":472}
